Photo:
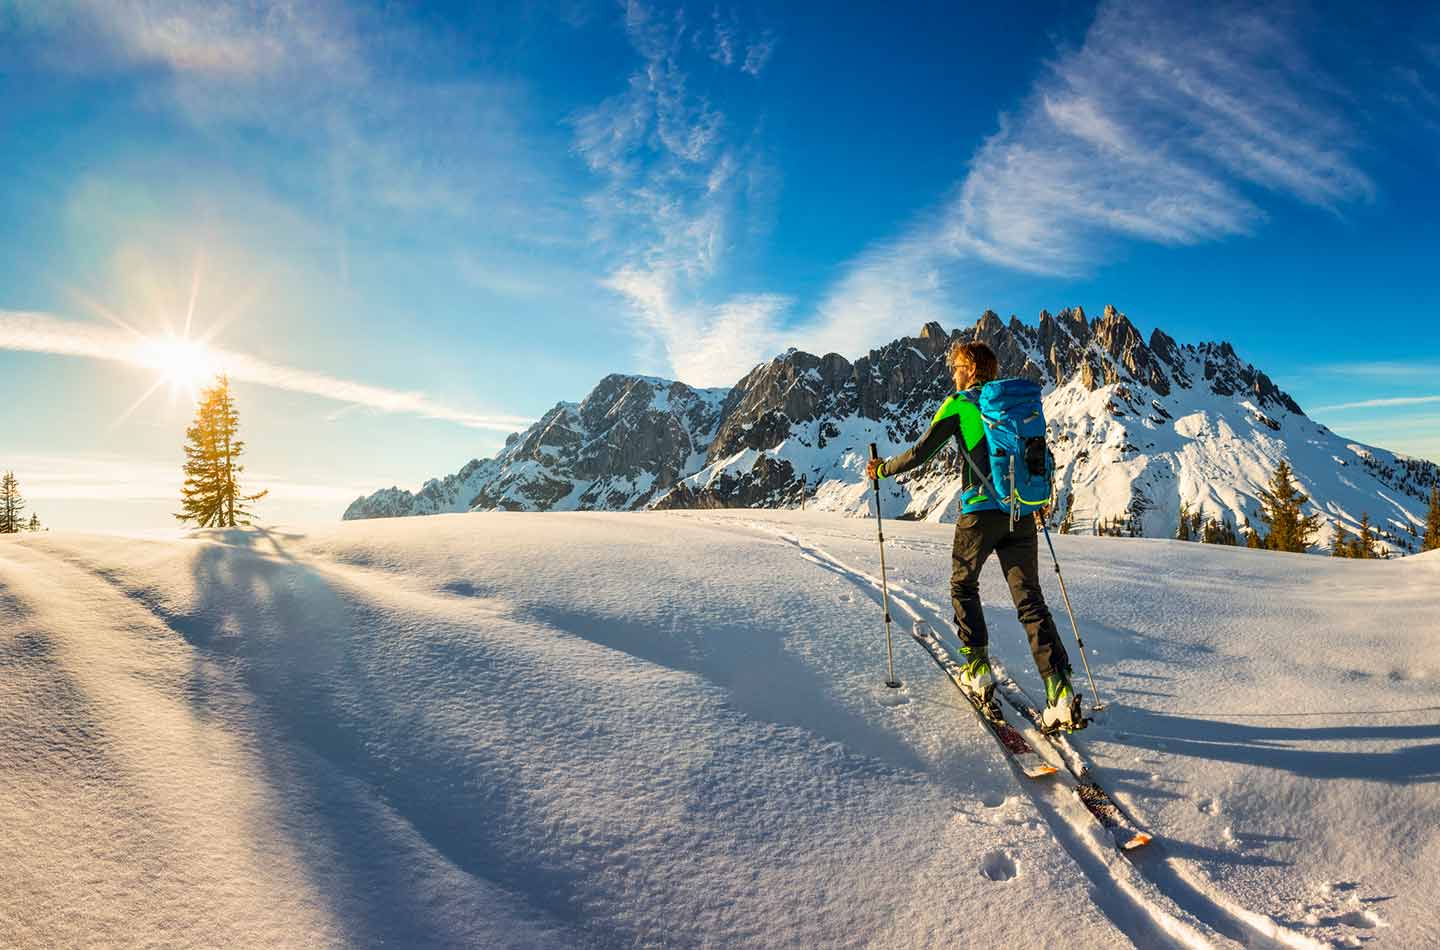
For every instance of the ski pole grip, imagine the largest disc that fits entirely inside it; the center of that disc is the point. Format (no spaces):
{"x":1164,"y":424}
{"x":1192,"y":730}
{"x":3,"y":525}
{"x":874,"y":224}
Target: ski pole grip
{"x":875,"y":454}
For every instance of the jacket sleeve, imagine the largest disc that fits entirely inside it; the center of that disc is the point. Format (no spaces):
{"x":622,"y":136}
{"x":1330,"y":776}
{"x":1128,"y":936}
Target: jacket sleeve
{"x":942,"y":429}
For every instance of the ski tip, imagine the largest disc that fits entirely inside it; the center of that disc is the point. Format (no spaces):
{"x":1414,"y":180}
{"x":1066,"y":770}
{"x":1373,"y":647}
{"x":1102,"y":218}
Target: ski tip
{"x":1137,"y":840}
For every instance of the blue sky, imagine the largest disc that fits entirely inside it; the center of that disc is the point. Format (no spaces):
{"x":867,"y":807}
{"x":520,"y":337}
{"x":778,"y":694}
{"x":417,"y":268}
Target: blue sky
{"x":413,"y":228}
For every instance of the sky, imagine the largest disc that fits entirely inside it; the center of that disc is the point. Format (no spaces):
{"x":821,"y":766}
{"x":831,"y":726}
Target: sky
{"x":407,"y":230}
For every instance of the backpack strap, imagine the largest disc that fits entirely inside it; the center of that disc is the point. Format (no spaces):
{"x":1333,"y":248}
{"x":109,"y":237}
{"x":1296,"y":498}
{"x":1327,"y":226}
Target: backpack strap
{"x":982,"y":481}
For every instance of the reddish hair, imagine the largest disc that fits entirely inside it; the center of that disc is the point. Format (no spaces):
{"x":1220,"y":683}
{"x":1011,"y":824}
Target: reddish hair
{"x":977,"y":357}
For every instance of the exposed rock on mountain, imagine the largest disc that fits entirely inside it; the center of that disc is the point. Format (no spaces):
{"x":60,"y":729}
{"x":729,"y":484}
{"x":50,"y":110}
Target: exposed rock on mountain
{"x":1137,"y":428}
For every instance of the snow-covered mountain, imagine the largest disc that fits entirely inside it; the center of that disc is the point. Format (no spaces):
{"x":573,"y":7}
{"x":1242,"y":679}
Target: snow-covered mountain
{"x":1138,"y":428}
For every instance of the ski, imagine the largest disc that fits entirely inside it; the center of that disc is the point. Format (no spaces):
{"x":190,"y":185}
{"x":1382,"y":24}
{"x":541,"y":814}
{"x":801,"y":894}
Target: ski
{"x":1011,"y":741}
{"x":1123,"y":829}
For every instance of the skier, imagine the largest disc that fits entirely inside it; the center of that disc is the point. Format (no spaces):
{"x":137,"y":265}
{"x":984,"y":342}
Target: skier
{"x":985,"y":525}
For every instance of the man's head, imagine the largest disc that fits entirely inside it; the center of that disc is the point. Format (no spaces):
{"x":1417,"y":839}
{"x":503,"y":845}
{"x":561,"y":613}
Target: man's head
{"x":972,"y":364}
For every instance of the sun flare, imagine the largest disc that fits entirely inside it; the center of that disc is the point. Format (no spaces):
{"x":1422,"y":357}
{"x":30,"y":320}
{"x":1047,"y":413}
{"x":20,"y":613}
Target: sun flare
{"x":186,"y":365}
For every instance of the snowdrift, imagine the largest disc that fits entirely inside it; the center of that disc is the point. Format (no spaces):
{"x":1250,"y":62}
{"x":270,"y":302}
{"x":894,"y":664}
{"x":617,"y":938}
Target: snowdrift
{"x":600,"y":729}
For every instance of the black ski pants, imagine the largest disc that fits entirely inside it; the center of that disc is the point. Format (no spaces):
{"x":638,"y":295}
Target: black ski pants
{"x":978,"y":534}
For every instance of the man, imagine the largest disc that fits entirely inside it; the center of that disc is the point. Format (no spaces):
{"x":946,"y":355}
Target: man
{"x":984,"y":526}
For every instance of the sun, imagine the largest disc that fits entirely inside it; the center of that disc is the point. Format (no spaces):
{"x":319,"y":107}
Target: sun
{"x":184,"y":364}
{"x":181,"y":362}
{"x":184,"y":361}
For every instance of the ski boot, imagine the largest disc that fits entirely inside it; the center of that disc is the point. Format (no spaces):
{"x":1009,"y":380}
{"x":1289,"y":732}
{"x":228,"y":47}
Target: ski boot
{"x":1062,"y":705}
{"x":976,"y":677}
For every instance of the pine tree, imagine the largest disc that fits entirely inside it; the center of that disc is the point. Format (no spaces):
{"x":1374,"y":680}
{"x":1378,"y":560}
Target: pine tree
{"x":1364,"y":545}
{"x":1281,"y":504}
{"x":1432,"y":522}
{"x":11,"y":504}
{"x":1182,"y":530}
{"x":1218,"y":531}
{"x":1253,"y":539}
{"x":211,"y":497}
{"x":1340,"y":547}
{"x":34,"y":522}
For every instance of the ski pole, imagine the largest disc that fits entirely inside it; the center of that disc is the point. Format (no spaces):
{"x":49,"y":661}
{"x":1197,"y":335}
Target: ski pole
{"x":891,"y":682}
{"x":1097,"y":705}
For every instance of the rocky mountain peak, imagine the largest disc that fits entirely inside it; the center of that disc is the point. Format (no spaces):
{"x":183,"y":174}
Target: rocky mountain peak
{"x":1118,"y":338}
{"x":1136,"y":426}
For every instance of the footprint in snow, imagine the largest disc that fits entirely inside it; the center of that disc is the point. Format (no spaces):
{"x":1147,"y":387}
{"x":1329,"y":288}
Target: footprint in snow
{"x":998,"y":866}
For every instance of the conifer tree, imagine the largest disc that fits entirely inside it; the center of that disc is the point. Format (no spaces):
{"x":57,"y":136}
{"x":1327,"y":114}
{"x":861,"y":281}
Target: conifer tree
{"x":1253,"y":539}
{"x":34,"y":522}
{"x":11,"y":504}
{"x":1182,"y":529}
{"x":1217,"y":531}
{"x":1340,"y":547}
{"x":1431,"y":541}
{"x":1281,"y":504}
{"x":1364,"y":545}
{"x":211,"y":496}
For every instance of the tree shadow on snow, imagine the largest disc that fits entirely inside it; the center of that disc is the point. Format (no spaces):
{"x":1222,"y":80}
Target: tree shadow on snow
{"x":353,"y":800}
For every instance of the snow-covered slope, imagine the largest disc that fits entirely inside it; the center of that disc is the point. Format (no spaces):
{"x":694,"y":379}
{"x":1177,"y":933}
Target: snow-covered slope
{"x":1138,"y":428}
{"x":603,"y":729}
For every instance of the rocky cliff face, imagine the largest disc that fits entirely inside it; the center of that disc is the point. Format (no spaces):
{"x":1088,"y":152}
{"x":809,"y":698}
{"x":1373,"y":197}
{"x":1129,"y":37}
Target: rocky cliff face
{"x":1137,"y":427}
{"x":631,"y":438}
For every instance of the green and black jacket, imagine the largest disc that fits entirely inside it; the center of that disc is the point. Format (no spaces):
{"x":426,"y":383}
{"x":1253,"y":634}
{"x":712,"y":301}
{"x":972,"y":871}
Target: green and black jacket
{"x":957,"y":418}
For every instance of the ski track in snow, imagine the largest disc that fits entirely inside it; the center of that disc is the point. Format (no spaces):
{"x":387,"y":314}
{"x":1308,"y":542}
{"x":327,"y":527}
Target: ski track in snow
{"x":1162,"y":898}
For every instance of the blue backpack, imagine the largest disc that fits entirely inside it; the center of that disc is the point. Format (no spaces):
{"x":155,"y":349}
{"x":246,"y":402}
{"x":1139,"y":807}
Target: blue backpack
{"x":1022,"y":470}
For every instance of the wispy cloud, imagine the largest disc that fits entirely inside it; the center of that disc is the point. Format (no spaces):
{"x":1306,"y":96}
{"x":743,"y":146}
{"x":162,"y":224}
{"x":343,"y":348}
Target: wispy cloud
{"x":1169,"y":124}
{"x":678,"y":180}
{"x":337,"y":83}
{"x":1388,"y":402}
{"x":221,"y":38}
{"x":1423,"y":369}
{"x":706,"y":345}
{"x":42,"y":333}
{"x":1158,"y":128}
{"x":758,"y":53}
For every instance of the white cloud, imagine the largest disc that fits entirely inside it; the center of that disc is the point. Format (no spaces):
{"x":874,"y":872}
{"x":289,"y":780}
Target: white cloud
{"x":675,"y":184}
{"x":41,"y":333}
{"x":336,"y":83}
{"x":1388,"y":402}
{"x":1166,"y":125}
{"x":727,"y":37}
{"x":1158,"y":128}
{"x":1385,"y":370}
{"x":218,"y":38}
{"x":704,"y":345}
{"x":1169,"y":125}
{"x":758,"y":53}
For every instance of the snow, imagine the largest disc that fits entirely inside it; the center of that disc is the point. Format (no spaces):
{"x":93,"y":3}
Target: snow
{"x":602,"y":729}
